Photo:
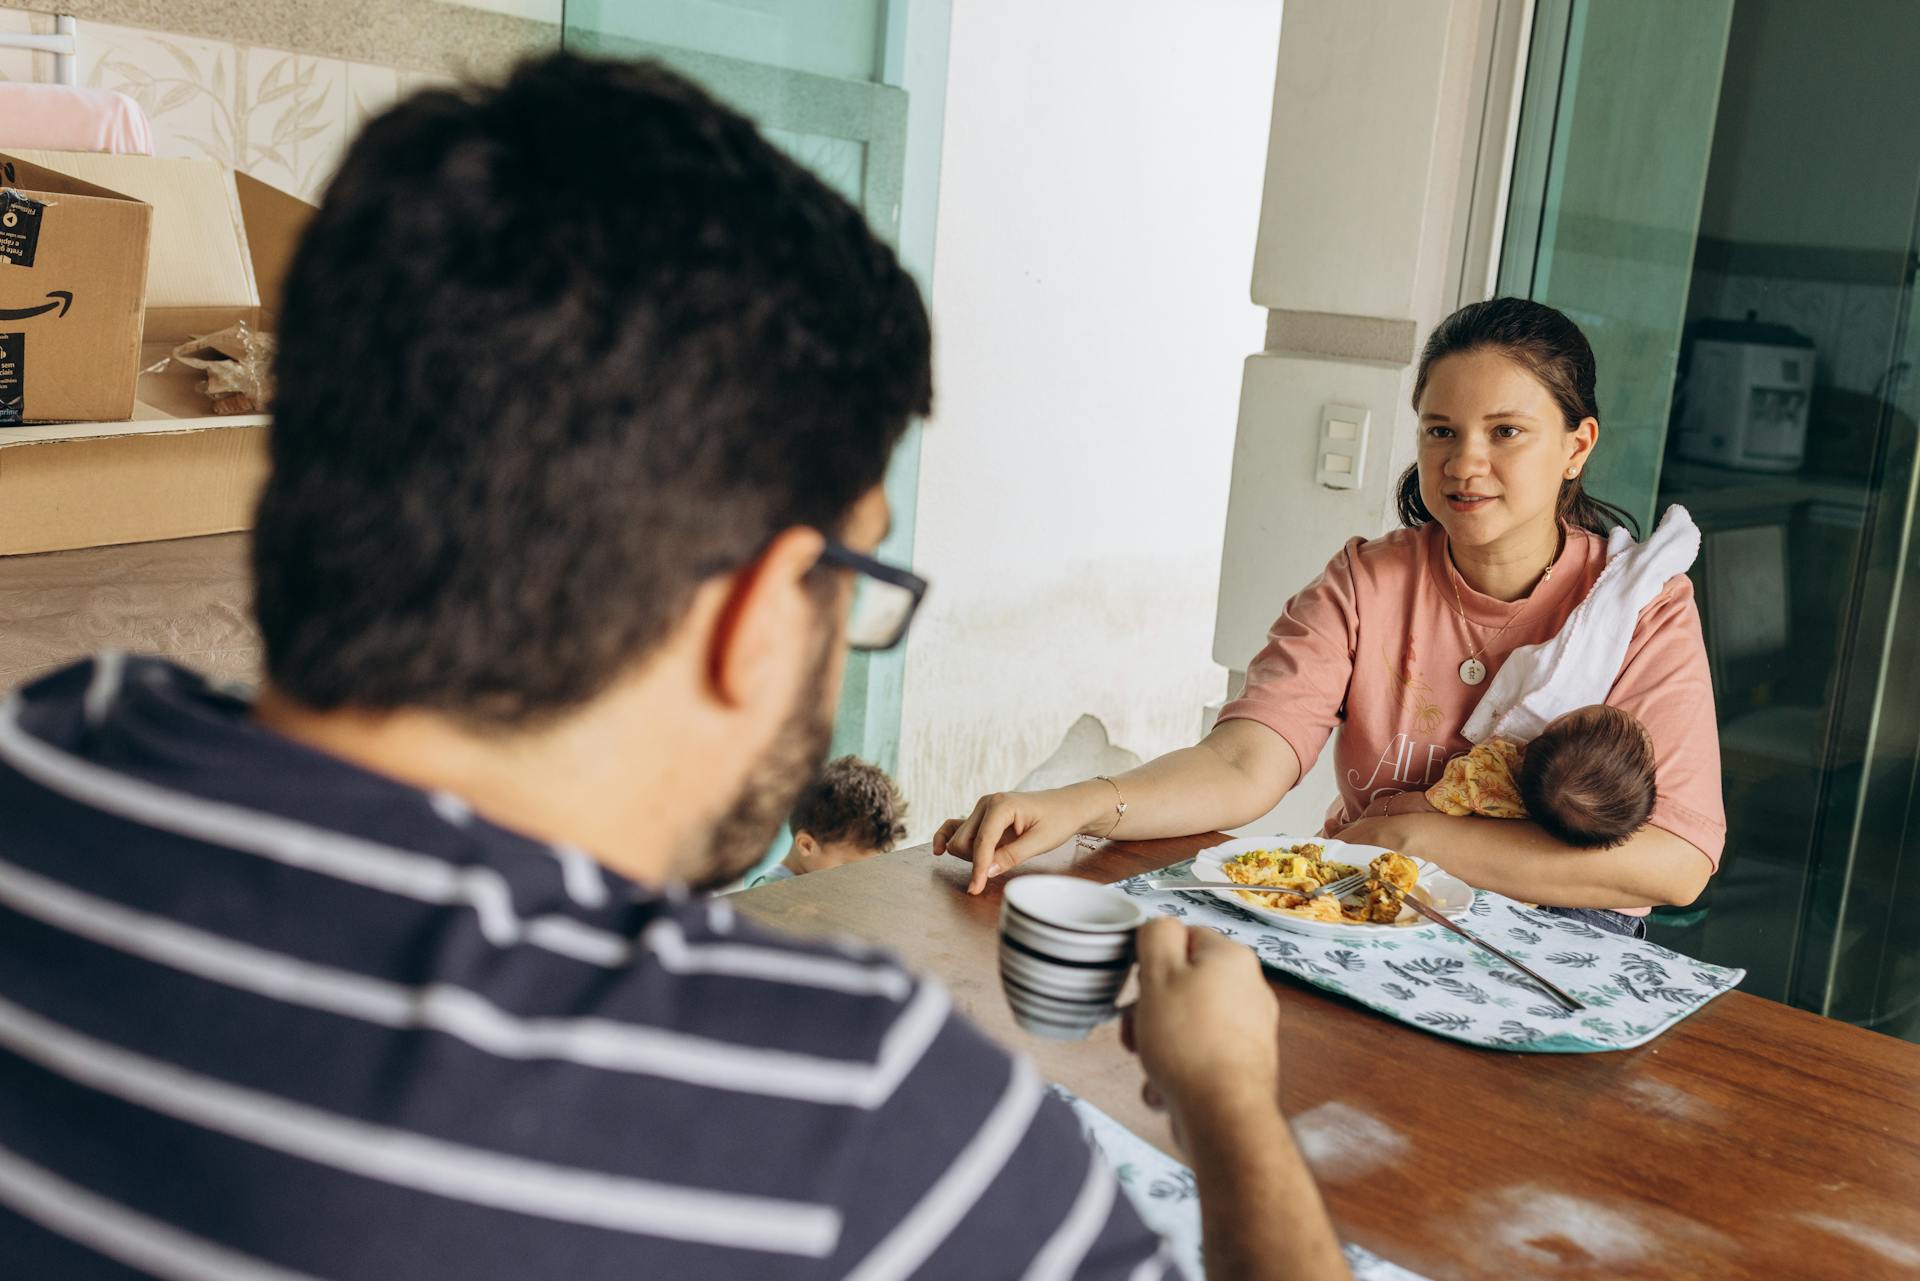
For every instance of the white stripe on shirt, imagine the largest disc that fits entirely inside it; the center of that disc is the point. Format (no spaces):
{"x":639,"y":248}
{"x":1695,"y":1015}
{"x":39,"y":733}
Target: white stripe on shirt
{"x":914,"y":1239}
{"x":669,"y":945}
{"x":109,"y":668}
{"x":409,"y":1159}
{"x":581,"y":876}
{"x":1060,"y":1258}
{"x":441,"y":1007}
{"x":405,"y":873}
{"x":111,"y":1229}
{"x":1154,"y":1268}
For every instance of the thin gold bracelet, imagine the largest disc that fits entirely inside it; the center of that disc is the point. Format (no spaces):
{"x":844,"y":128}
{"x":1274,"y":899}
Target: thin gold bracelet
{"x":1119,"y":810}
{"x":1089,"y":843}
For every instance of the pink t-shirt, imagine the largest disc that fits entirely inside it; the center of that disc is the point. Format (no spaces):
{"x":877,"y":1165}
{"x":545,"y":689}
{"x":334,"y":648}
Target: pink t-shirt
{"x":1373,"y":648}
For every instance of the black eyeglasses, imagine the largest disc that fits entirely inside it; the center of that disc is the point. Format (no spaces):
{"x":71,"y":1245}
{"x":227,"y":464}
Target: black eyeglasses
{"x":884,"y":597}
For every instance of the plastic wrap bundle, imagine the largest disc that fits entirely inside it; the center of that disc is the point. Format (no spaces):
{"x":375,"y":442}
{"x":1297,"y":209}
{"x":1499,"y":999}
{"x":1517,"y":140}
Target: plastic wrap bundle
{"x":238,"y":364}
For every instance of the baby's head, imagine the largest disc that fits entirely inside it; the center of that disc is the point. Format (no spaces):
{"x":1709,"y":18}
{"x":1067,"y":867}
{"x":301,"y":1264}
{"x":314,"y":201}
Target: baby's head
{"x":1588,"y":779}
{"x":850,"y":812}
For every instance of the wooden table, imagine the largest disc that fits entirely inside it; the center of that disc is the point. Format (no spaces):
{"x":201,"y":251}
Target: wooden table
{"x":1752,"y":1140}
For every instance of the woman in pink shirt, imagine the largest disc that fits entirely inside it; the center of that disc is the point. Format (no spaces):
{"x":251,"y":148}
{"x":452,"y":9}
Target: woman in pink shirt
{"x":1388,"y":651}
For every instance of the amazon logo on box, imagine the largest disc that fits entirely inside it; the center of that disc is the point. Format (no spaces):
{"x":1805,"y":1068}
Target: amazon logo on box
{"x":73,"y":281}
{"x":132,"y":257}
{"x":73,"y":290}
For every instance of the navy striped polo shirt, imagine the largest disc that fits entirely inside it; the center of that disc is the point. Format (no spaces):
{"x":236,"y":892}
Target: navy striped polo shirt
{"x":267,"y":1016}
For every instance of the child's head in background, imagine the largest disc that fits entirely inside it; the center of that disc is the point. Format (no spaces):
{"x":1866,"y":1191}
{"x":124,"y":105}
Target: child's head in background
{"x":1589,"y":779}
{"x":850,"y":812}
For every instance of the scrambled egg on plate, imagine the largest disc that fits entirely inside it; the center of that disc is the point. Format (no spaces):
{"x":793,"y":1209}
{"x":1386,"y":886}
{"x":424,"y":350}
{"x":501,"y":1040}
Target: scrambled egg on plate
{"x":1300,"y":868}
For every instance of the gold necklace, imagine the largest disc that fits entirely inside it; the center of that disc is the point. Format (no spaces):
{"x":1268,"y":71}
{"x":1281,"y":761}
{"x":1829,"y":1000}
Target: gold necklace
{"x":1473,"y":671}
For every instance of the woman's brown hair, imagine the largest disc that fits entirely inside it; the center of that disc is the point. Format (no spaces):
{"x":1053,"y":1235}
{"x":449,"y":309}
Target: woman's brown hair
{"x":1551,"y":348}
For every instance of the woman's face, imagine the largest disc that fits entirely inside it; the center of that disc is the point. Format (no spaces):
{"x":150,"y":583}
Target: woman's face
{"x":1494,"y":449}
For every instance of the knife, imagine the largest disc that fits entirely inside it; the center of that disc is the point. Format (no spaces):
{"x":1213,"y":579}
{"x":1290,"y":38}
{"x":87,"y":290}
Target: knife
{"x":1566,"y":1002}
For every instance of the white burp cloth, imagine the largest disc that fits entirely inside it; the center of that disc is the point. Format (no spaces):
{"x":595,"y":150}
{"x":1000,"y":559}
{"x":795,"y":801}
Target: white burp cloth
{"x":1577,"y":668}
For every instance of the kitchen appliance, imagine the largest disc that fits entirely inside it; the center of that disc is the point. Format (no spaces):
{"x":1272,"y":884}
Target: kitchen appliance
{"x":1747,"y":389}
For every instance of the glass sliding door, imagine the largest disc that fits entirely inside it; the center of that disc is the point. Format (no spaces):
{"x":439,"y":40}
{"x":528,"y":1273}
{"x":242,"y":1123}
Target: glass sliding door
{"x":1860,"y":953}
{"x":1616,"y":125}
{"x":1724,"y":195}
{"x":854,"y":90}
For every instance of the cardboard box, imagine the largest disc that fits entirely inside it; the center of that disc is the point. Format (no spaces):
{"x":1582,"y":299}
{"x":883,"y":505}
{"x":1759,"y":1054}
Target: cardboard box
{"x":73,"y":278}
{"x":219,"y":245}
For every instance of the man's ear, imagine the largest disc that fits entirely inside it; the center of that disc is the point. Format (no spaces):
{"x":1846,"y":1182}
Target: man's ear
{"x":806,"y":849}
{"x":764,"y":623}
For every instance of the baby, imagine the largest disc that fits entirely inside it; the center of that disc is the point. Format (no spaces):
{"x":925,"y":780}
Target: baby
{"x":850,"y":812}
{"x":1587,"y":779}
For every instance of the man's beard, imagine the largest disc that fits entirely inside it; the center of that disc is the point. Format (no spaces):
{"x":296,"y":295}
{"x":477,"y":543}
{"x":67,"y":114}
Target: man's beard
{"x":740,"y":837}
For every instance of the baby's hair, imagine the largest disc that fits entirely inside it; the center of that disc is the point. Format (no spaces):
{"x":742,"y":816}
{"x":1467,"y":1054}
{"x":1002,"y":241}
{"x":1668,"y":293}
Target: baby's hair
{"x":851,"y":800}
{"x":1589,"y":779}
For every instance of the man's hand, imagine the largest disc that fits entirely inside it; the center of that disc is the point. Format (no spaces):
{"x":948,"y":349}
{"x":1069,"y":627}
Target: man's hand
{"x":1206,"y":1026}
{"x":1207,"y":1029}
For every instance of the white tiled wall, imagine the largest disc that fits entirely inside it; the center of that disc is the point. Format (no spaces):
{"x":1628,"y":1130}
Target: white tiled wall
{"x":283,"y":117}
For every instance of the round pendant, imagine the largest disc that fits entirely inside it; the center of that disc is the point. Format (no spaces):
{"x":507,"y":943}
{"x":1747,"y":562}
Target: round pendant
{"x":1473,"y":671}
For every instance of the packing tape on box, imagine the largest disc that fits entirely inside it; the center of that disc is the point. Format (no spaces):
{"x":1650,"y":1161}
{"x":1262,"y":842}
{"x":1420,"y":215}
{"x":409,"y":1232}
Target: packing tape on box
{"x":20,"y":219}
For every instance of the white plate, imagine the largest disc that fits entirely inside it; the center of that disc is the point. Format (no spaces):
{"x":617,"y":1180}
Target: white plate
{"x":1443,"y":891}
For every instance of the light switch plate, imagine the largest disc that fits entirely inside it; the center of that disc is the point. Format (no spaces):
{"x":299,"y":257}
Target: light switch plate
{"x":1342,"y":449}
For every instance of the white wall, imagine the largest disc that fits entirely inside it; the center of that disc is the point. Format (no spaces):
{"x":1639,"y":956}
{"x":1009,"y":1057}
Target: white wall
{"x":1100,"y":186}
{"x":1375,"y":116}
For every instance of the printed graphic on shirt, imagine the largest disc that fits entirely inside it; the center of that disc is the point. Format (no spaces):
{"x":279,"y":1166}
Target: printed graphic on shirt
{"x":1406,"y":764}
{"x":1411,"y":760}
{"x":1416,"y":696}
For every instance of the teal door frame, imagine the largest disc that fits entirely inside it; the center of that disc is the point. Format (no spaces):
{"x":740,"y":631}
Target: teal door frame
{"x":896,"y":123}
{"x":868,"y":724}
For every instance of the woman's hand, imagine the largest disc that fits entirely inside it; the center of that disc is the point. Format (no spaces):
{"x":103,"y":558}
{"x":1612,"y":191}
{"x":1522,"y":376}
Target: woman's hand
{"x":1008,"y":828}
{"x":1408,"y":802}
{"x":1233,"y":776}
{"x":1379,"y":829}
{"x":1384,"y":822}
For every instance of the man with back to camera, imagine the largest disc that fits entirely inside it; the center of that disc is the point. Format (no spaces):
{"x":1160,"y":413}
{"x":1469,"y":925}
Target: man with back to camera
{"x":395,"y":970}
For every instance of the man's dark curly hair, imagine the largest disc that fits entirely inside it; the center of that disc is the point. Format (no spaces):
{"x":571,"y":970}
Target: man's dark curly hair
{"x":851,"y":800}
{"x":537,"y":382}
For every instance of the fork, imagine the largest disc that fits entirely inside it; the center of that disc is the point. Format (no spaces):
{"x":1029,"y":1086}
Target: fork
{"x":1187,"y":884}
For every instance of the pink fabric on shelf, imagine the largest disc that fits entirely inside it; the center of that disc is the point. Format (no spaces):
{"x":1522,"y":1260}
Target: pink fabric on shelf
{"x":59,"y":118}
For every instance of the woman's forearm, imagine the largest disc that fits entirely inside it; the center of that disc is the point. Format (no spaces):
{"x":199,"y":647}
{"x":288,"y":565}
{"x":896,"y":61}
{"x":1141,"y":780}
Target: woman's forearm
{"x":1518,"y":859}
{"x":1233,"y":776}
